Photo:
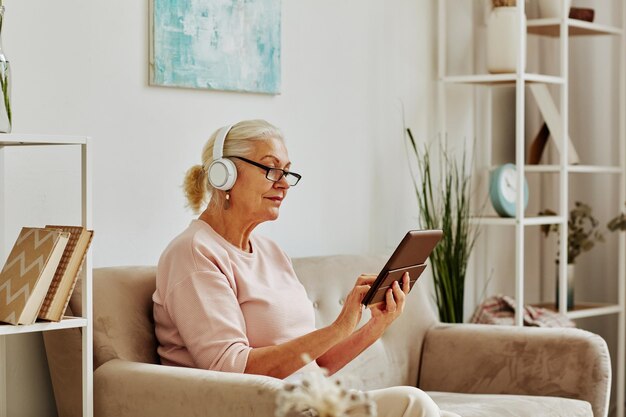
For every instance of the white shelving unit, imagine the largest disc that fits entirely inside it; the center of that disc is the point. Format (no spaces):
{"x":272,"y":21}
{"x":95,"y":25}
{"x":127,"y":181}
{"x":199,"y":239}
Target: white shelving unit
{"x":562,"y":28}
{"x":85,"y":322}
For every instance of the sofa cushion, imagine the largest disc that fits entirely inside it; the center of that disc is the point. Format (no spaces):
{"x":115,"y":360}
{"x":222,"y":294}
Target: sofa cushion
{"x":488,"y":405}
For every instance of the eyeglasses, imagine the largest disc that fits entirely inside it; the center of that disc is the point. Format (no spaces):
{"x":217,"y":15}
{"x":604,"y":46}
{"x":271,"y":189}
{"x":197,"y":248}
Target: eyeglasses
{"x":274,"y":174}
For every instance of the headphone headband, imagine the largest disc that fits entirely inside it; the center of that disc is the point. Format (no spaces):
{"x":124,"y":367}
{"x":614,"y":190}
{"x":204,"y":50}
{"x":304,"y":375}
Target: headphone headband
{"x":222,"y":171}
{"x":218,"y":147}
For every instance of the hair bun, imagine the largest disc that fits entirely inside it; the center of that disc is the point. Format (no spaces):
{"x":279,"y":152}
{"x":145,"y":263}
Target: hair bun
{"x":195,"y":187}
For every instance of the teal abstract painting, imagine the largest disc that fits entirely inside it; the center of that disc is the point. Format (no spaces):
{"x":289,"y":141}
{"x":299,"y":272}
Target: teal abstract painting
{"x":229,"y":45}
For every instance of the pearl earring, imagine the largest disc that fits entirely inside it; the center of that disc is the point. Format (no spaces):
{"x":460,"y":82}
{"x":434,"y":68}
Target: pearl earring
{"x":227,"y":202}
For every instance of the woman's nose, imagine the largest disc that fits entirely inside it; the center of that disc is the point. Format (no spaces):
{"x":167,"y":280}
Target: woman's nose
{"x":282,"y":182}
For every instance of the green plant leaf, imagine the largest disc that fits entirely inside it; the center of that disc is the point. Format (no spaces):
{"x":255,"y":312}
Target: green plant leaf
{"x":444,"y":203}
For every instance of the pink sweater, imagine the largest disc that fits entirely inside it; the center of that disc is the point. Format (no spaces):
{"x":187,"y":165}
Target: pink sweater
{"x":214,"y":302}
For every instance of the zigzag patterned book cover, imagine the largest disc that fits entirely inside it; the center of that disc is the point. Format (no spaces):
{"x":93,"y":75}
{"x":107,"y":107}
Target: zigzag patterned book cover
{"x":28,"y":272}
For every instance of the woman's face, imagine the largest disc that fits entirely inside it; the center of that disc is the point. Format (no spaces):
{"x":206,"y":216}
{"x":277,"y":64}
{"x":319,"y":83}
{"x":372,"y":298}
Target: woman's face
{"x":253,"y":195}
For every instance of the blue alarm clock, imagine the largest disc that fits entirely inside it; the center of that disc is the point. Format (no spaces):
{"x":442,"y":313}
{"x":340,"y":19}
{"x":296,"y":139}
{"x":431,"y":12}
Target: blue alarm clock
{"x":503,"y":190}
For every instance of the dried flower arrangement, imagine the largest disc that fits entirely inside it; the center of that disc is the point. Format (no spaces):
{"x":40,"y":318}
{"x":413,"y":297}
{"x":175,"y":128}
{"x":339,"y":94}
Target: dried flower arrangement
{"x":583,"y":230}
{"x":316,"y":395}
{"x":504,"y":3}
{"x":617,"y":223}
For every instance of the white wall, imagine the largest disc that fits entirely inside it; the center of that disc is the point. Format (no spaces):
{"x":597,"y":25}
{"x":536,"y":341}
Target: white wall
{"x":82,"y":68}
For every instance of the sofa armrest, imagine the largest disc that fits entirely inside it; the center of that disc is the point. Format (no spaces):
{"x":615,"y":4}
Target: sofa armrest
{"x":125,"y":389}
{"x":487,"y":359}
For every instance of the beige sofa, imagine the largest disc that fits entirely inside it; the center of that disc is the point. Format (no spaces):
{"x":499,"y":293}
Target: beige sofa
{"x":472,"y":370}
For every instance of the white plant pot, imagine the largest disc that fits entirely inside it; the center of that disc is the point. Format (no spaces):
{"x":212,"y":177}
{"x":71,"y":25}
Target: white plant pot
{"x":553,"y":8}
{"x":503,"y":40}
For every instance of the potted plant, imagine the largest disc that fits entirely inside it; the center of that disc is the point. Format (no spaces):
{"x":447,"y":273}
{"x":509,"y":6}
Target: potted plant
{"x":503,"y":37}
{"x":582,"y":234}
{"x":5,"y":84}
{"x":444,"y":203}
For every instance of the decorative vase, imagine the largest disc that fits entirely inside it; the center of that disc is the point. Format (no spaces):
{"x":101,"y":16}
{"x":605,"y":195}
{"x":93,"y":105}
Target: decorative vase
{"x":503,"y":40}
{"x":570,"y":286}
{"x":549,"y":9}
{"x":5,"y":85}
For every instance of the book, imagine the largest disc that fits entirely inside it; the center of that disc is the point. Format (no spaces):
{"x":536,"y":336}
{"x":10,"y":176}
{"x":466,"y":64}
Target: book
{"x":28,"y":272}
{"x":66,"y":275}
{"x":581,"y":13}
{"x":553,"y":120}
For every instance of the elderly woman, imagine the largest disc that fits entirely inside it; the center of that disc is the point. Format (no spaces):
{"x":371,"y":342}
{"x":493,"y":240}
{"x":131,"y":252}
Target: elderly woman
{"x":229,"y":300}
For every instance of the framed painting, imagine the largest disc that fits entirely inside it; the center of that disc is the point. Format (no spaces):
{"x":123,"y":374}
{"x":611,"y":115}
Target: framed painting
{"x":231,"y":45}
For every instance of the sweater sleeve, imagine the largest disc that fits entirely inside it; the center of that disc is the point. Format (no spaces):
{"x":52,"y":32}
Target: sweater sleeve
{"x":208,"y":317}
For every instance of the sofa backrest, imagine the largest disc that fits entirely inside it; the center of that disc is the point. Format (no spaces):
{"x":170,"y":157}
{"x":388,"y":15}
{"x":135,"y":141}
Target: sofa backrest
{"x":124,"y":326}
{"x":394,"y":359}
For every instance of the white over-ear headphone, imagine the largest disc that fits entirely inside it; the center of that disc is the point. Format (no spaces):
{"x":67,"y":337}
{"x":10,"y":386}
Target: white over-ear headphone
{"x":222,"y":171}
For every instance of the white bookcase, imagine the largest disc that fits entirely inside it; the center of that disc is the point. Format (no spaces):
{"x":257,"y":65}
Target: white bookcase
{"x":85,"y":322}
{"x":560,"y":29}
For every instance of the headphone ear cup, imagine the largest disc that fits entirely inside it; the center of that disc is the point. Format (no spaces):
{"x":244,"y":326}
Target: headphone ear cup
{"x":222,"y":174}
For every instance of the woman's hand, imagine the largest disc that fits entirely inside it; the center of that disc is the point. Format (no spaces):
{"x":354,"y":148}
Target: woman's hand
{"x":383,"y":314}
{"x":350,"y":314}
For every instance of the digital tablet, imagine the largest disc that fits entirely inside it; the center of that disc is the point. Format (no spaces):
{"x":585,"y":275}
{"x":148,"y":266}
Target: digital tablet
{"x":410,"y":256}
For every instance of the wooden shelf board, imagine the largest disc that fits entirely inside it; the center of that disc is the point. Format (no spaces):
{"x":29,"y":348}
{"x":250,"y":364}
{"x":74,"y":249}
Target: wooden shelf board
{"x":500,"y":79}
{"x":541,"y":220}
{"x":16,"y":139}
{"x":42,"y":326}
{"x":585,"y":309}
{"x":574,"y":169}
{"x":512,"y":221}
{"x":552,"y":28}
